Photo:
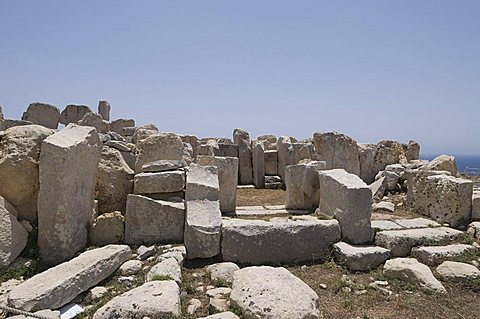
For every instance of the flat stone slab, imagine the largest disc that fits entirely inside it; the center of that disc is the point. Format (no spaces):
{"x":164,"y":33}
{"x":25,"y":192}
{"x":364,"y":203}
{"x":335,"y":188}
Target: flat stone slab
{"x":154,"y":299}
{"x":222,"y":315}
{"x":278,"y":241}
{"x":163,"y":166}
{"x":385,"y":225}
{"x":456,"y":271}
{"x":249,"y":208}
{"x":417,"y":223}
{"x":267,"y":292}
{"x":162,"y":182}
{"x":413,"y":272}
{"x":384,"y":206}
{"x":435,"y":255}
{"x":59,"y":285}
{"x":400,"y":242}
{"x":360,"y":258}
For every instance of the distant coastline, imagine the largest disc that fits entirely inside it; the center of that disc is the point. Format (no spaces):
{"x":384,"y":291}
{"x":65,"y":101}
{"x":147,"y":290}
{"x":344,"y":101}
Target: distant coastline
{"x":467,"y":164}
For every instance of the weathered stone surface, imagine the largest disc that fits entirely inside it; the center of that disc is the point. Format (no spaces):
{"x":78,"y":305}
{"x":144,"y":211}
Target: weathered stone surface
{"x":368,"y":167}
{"x":163,"y":166}
{"x":360,"y":258}
{"x":417,"y":223}
{"x":258,"y":163}
{"x":108,"y":228}
{"x":8,"y":123}
{"x":416,"y":183}
{"x":380,"y":225}
{"x":285,"y":154}
{"x":119,"y":125}
{"x":444,"y":163}
{"x":202,"y":183}
{"x":13,"y":237}
{"x":260,"y":242}
{"x":384,"y":206}
{"x":202,"y":228}
{"x":476,"y":205}
{"x":227,"y":168}
{"x":338,"y":151}
{"x":413,"y":151}
{"x":149,"y":221}
{"x":303,"y":187}
{"x":446,"y":199}
{"x":153,"y":299}
{"x":474,"y":230}
{"x":50,"y":314}
{"x":349,"y":199}
{"x":59,"y":285}
{"x":143,"y":132}
{"x":95,"y":120}
{"x":435,"y":255}
{"x":131,"y":267}
{"x":162,"y":182}
{"x":262,"y":293}
{"x":413,"y":272}
{"x":222,"y":271}
{"x":73,"y":114}
{"x":391,"y":177}
{"x":19,"y":158}
{"x":222,"y":315}
{"x":114,"y":181}
{"x":400,"y":242}
{"x":104,"y":110}
{"x":378,"y":189}
{"x":193,"y":141}
{"x":68,"y":164}
{"x":177,"y":252}
{"x":456,"y":271}
{"x":42,"y":114}
{"x":271,"y":162}
{"x":162,"y":146}
{"x":168,"y":268}
{"x":245,"y":170}
{"x":145,"y":252}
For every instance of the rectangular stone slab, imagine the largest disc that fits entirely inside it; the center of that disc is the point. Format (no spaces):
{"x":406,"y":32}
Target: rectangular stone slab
{"x":160,"y":182}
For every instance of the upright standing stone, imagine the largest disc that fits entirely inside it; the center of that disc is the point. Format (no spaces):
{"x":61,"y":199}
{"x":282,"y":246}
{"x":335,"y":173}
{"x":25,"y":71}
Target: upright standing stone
{"x":349,"y":199}
{"x":1,"y":113}
{"x":104,"y":110}
{"x":227,"y":168}
{"x":271,"y":163}
{"x":162,"y":146}
{"x":258,"y":161}
{"x":303,"y":187}
{"x":68,"y":164}
{"x":338,"y":151}
{"x":413,"y":151}
{"x":245,"y":170}
{"x":42,"y":114}
{"x":285,"y":154}
{"x":73,"y":114}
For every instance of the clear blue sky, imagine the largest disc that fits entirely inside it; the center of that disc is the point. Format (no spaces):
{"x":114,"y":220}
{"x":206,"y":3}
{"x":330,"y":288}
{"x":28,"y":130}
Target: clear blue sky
{"x":372,"y":69}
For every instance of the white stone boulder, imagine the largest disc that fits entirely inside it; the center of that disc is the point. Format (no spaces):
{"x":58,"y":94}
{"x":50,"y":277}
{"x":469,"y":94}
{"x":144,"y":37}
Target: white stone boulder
{"x":267,"y":292}
{"x":61,"y":284}
{"x":457,"y":271}
{"x":168,"y":268}
{"x":303,"y":186}
{"x":411,"y":271}
{"x":13,"y":237}
{"x":19,"y":159}
{"x":149,"y":221}
{"x":245,"y":169}
{"x":360,"y":258}
{"x":222,"y":271}
{"x":42,"y":114}
{"x":444,"y":163}
{"x":131,"y":267}
{"x":435,"y":255}
{"x":384,"y":206}
{"x":68,"y":165}
{"x":154,"y":299}
{"x":338,"y":151}
{"x":278,"y":241}
{"x":161,"y":146}
{"x":349,"y":199}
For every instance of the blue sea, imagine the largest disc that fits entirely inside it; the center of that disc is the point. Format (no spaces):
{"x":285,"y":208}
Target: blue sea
{"x":467,"y":164}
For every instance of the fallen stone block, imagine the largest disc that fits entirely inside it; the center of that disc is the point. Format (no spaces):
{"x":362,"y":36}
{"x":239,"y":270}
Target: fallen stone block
{"x":417,"y":223}
{"x":260,"y":242}
{"x":161,"y":146}
{"x":61,"y":284}
{"x":73,"y":114}
{"x":95,"y":120}
{"x":168,"y":269}
{"x":42,"y":114}
{"x":262,"y":293}
{"x":222,"y":271}
{"x":360,"y":258}
{"x":378,"y":189}
{"x":456,"y":271}
{"x":443,"y":163}
{"x":119,"y":126}
{"x":413,"y":272}
{"x":435,"y":255}
{"x":13,"y":237}
{"x":108,"y":228}
{"x":383,"y":206}
{"x":162,"y":182}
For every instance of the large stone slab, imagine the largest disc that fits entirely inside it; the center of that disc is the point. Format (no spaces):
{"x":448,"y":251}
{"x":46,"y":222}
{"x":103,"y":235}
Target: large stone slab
{"x":338,"y":151}
{"x":245,"y":169}
{"x":13,"y":237}
{"x":95,"y":120}
{"x":227,"y":168}
{"x":303,"y":187}
{"x":161,"y":146}
{"x":59,"y":285}
{"x":400,"y":242}
{"x":279,"y":241}
{"x":73,"y":113}
{"x":155,"y":299}
{"x":68,"y":165}
{"x":149,"y":221}
{"x":118,"y":126}
{"x":267,"y":292}
{"x":202,"y":183}
{"x":444,"y":163}
{"x":258,"y":162}
{"x":104,"y":110}
{"x":42,"y":114}
{"x":360,"y":258}
{"x":271,"y":162}
{"x":19,"y":158}
{"x":349,"y":199}
{"x":435,"y":255}
{"x":413,"y":272}
{"x":161,"y":182}
{"x":457,"y":271}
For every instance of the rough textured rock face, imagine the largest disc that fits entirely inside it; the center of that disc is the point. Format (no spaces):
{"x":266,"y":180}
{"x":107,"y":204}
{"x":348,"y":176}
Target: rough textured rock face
{"x":73,"y":114}
{"x":227,"y":168}
{"x":59,"y":285}
{"x":258,"y":164}
{"x":155,"y":299}
{"x":261,"y":292}
{"x":368,"y":169}
{"x":303,"y":186}
{"x":476,"y":205}
{"x":108,"y":228}
{"x":245,"y":169}
{"x":413,"y":151}
{"x":338,"y":151}
{"x":7,"y":123}
{"x":285,"y":154}
{"x":149,"y":221}
{"x":13,"y":237}
{"x":68,"y":164}
{"x":435,"y":255}
{"x":117,"y":126}
{"x":104,"y":110}
{"x":444,"y":163}
{"x":277,"y":241}
{"x":19,"y":158}
{"x":222,"y":271}
{"x":388,"y":152}
{"x":160,"y":182}
{"x":95,"y":120}
{"x":271,"y":162}
{"x":164,"y":146}
{"x":143,"y":132}
{"x":167,"y":267}
{"x":114,"y":181}
{"x":360,"y":258}
{"x":349,"y":199}
{"x":42,"y":114}
{"x":457,"y":271}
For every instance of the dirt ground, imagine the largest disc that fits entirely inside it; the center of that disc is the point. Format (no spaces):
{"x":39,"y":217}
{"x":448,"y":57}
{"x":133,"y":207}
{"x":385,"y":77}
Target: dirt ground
{"x":259,"y":197}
